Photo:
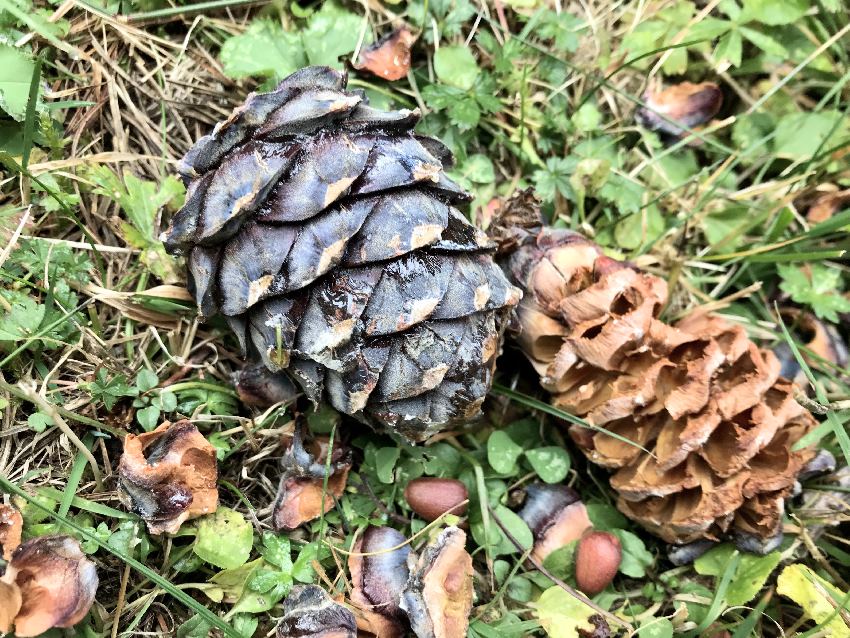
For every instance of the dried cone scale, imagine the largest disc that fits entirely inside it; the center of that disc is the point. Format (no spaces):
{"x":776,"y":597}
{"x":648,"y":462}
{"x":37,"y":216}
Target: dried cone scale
{"x":708,"y":404}
{"x":326,"y":233}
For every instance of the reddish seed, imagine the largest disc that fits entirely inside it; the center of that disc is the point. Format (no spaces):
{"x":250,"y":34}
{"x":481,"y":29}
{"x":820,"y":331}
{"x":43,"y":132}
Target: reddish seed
{"x":598,"y":558}
{"x":433,"y":497}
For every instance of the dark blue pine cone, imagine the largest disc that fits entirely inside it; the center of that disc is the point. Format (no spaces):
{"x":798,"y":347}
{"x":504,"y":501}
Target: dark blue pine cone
{"x":326,"y":233}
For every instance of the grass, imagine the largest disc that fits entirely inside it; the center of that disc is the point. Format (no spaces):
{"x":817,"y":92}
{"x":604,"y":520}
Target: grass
{"x":97,"y":338}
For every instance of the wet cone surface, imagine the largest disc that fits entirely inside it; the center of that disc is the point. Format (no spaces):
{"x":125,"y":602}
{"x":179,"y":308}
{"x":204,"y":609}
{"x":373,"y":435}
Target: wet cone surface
{"x":715,"y":419}
{"x":326,"y":232}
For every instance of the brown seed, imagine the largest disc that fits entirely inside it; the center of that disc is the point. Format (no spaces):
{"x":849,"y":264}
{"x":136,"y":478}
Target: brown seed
{"x":433,"y":497}
{"x":598,"y":558}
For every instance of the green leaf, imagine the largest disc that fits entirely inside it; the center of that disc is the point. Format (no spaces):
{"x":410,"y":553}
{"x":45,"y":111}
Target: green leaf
{"x":636,"y":558}
{"x":267,"y":50}
{"x":551,"y":463}
{"x":385,"y":460}
{"x":462,"y":107}
{"x":323,"y":419}
{"x":800,"y":135}
{"x":676,"y":62}
{"x":130,"y":540}
{"x":729,"y":49}
{"x":555,"y":178}
{"x":224,"y":538}
{"x":764,"y":42}
{"x":39,"y":422}
{"x":16,"y":69}
{"x":750,"y":131}
{"x":478,"y":168}
{"x":196,"y":627}
{"x":141,"y":202}
{"x":22,"y":320}
{"x":302,"y":568}
{"x":776,"y":12}
{"x":264,"y":50}
{"x":588,"y":118}
{"x":498,"y":542}
{"x":819,"y":288}
{"x":110,"y":390}
{"x":442,"y":460}
{"x":605,"y":516}
{"x":456,"y":66}
{"x":167,"y":401}
{"x":146,"y":380}
{"x":502,"y":452}
{"x":264,"y":589}
{"x":62,"y":262}
{"x":148,"y":417}
{"x":276,"y":550}
{"x":639,"y":229}
{"x":726,"y":225}
{"x":749,"y":578}
{"x":246,"y":624}
{"x":517,"y":528}
{"x":656,"y":628}
{"x":332,"y":32}
{"x":818,"y":598}
{"x":561,"y":27}
{"x":562,"y":615}
{"x":561,"y":562}
{"x":232,"y":582}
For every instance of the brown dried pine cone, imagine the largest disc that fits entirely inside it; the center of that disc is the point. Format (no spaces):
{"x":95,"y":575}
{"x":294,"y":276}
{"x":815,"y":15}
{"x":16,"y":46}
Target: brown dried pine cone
{"x":712,"y":422}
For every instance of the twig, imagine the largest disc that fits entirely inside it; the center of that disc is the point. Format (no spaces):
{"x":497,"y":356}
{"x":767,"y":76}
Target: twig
{"x":119,"y":606}
{"x":572,"y":592}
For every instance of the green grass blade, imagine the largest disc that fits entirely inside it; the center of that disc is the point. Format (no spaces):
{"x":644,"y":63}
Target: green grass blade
{"x":831,"y":418}
{"x":531,"y":402}
{"x":29,"y":120}
{"x":74,"y":478}
{"x":89,"y":506}
{"x":720,"y":595}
